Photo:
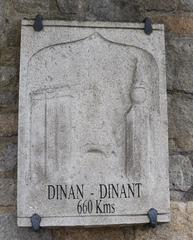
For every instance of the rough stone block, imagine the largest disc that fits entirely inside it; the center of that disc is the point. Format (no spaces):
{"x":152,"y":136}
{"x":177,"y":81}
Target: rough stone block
{"x":188,"y":196}
{"x":181,"y":25}
{"x":110,"y":10}
{"x":186,"y":5}
{"x":179,"y":56}
{"x":95,"y":234}
{"x":181,"y":173}
{"x":8,"y":78}
{"x":177,"y":195}
{"x":180,"y":228}
{"x":8,"y":101}
{"x":7,"y":191}
{"x":2,"y":23}
{"x":13,"y":34}
{"x":9,"y":56}
{"x":160,"y":5}
{"x":29,"y":6}
{"x":70,"y":6}
{"x":180,"y":114}
{"x":8,"y":154}
{"x":8,"y":124}
{"x":10,"y":231}
{"x":2,"y":6}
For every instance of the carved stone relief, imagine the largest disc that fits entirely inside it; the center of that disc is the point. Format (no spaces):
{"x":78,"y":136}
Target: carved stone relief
{"x":94,"y":129}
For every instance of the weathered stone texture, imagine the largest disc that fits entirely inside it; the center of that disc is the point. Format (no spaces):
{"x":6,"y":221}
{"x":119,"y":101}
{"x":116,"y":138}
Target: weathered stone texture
{"x":10,"y":231}
{"x":13,"y":32}
{"x":2,"y":21}
{"x":8,"y":77}
{"x":7,"y":191}
{"x":8,"y":154}
{"x":180,"y":228}
{"x":8,"y":124}
{"x":9,"y":56}
{"x":163,"y":5}
{"x":180,"y":113}
{"x":29,"y":6}
{"x":8,"y":100}
{"x":8,"y":88}
{"x":181,"y":25}
{"x":181,"y":171}
{"x":70,"y":7}
{"x":179,"y":54}
{"x":112,"y":10}
{"x":181,"y":177}
{"x":95,"y":234}
{"x":109,"y":10}
{"x":180,"y":63}
{"x":186,"y":5}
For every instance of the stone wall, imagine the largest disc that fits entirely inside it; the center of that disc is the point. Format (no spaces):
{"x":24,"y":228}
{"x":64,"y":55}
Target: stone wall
{"x":177,"y":15}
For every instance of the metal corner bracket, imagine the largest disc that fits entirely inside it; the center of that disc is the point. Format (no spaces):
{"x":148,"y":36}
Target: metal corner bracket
{"x":38,"y":23}
{"x":35,"y":221}
{"x":148,"y":29}
{"x":152,"y":215}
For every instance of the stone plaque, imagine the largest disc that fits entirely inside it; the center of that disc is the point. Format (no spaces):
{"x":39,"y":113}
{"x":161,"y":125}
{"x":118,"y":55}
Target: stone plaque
{"x":93,"y":135}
